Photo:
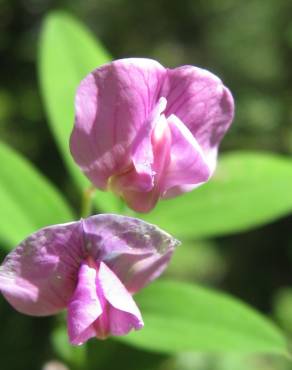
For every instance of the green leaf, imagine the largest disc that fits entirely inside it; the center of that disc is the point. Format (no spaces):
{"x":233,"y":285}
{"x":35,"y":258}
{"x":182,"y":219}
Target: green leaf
{"x":74,"y":355}
{"x":68,"y":52}
{"x":198,"y":261}
{"x":249,"y":189}
{"x":283,"y":308}
{"x":28,"y":201}
{"x":184,"y":317}
{"x":229,"y":361}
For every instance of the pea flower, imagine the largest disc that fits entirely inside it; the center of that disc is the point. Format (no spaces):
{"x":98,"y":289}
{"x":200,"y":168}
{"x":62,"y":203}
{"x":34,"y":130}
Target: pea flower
{"x":147,"y":132}
{"x":91,"y":267}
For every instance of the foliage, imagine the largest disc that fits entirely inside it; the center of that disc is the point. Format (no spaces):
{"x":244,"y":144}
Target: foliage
{"x":251,"y":187}
{"x":28,"y":200}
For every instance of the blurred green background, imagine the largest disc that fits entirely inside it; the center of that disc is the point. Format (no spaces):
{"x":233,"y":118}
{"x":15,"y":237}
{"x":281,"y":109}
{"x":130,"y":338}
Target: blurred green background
{"x":249,"y":45}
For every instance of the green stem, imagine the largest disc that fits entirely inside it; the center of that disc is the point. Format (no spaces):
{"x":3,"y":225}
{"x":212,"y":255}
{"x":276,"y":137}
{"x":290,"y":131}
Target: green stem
{"x":86,"y":204}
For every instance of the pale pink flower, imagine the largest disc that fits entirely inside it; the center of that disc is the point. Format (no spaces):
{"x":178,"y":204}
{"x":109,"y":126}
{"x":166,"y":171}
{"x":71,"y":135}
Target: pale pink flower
{"x":148,"y":132}
{"x":91,"y":267}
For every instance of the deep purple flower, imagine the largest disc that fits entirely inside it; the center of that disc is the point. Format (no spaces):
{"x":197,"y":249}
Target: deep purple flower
{"x":91,"y":267}
{"x":148,"y":132}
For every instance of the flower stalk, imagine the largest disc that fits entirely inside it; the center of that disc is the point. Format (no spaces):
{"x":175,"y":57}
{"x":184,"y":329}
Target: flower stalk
{"x":86,"y":202}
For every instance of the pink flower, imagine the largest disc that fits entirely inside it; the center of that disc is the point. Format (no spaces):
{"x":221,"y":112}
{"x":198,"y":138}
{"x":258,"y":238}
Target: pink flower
{"x":91,"y":267}
{"x":148,"y":132}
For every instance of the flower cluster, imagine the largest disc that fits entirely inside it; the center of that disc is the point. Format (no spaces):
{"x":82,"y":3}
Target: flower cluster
{"x":145,"y":132}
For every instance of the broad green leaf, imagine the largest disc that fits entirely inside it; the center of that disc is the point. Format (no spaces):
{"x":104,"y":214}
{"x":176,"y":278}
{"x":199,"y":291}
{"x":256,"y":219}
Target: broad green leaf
{"x":198,"y":261}
{"x":229,"y":361}
{"x":283,"y":308}
{"x":68,"y":52}
{"x":183,"y":317}
{"x":74,"y":355}
{"x":247,"y":190}
{"x":252,"y":362}
{"x":28,"y":201}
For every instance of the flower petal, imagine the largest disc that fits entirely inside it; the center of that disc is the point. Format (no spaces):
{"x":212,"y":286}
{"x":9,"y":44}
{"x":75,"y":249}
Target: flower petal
{"x":200,"y":100}
{"x":39,"y":276}
{"x":84,"y":306}
{"x":188,"y":164}
{"x":122,"y":322}
{"x":137,"y":252}
{"x":124,"y":315}
{"x":141,"y":191}
{"x":112,"y":104}
{"x":140,"y":201}
{"x":142,"y":151}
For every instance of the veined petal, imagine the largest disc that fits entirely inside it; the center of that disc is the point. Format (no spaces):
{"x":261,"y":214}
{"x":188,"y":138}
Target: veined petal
{"x":118,"y":108}
{"x":39,"y":276}
{"x":112,"y":104}
{"x":122,"y":322}
{"x":142,"y":270}
{"x":101,"y":305}
{"x":84,"y":306}
{"x":123,"y":313}
{"x":137,"y":252}
{"x":141,"y":191}
{"x":141,"y":201}
{"x":201,"y":101}
{"x":188,"y":164}
{"x":142,"y":150}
